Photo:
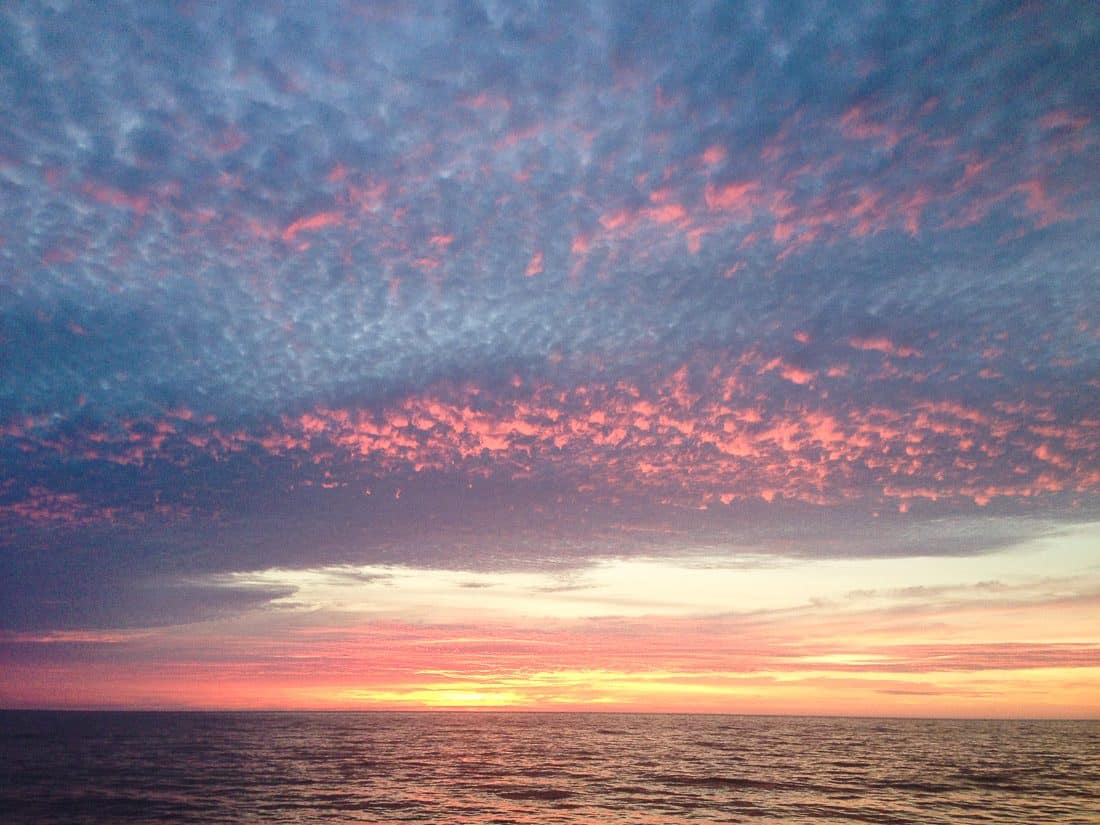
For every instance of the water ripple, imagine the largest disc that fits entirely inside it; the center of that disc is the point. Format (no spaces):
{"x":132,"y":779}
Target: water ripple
{"x":559,"y":769}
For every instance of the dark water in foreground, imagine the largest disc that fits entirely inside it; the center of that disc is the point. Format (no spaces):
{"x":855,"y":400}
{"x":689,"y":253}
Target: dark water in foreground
{"x":552,"y":768}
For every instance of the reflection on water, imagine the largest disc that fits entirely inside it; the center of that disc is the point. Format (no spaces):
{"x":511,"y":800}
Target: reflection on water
{"x":546,"y":768}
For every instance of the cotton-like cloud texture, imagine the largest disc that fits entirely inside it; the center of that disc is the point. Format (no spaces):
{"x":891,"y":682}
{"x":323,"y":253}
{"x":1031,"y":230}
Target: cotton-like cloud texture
{"x":497,"y":287}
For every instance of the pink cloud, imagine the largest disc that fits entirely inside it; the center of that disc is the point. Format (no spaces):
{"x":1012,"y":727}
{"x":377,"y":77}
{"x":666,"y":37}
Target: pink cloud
{"x":312,"y":223}
{"x":880,"y":343}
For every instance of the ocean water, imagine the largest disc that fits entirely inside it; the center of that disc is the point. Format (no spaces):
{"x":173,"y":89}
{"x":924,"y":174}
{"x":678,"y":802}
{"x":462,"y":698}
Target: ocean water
{"x":544,"y":768}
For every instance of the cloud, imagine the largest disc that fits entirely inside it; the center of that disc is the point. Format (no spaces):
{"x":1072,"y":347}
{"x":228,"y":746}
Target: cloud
{"x":67,"y":591}
{"x":472,"y":287}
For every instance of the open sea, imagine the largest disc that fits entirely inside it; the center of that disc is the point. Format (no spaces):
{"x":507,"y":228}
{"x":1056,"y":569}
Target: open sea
{"x":76,"y":767}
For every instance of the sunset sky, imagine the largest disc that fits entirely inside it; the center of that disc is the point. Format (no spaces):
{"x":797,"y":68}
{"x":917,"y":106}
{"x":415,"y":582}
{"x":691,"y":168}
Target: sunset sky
{"x":690,"y":356}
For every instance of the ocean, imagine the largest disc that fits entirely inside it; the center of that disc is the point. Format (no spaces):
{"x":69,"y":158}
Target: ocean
{"x":78,"y":767}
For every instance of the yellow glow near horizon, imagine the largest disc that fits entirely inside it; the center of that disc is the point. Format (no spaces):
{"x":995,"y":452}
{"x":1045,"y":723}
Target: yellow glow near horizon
{"x":428,"y":697}
{"x":1004,"y":693}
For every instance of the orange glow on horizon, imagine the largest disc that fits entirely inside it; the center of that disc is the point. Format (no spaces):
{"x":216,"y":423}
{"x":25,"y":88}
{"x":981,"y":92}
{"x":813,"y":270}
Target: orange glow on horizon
{"x":1040,"y":693}
{"x":968,"y":636}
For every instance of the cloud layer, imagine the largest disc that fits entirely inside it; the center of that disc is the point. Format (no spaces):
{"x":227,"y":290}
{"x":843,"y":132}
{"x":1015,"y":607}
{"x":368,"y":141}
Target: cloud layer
{"x":491,"y":285}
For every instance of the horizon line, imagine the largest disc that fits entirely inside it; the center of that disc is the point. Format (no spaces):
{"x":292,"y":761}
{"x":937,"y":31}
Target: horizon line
{"x":532,"y":711}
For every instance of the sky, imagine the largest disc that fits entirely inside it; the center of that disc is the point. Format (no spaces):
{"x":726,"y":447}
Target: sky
{"x":693,"y":356}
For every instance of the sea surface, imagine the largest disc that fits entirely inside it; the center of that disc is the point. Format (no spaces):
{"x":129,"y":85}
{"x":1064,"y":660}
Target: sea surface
{"x":545,"y":768}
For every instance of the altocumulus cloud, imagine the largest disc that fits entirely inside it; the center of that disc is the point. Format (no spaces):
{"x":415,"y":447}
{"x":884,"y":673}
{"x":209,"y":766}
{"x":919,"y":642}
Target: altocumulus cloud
{"x":487,"y":285}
